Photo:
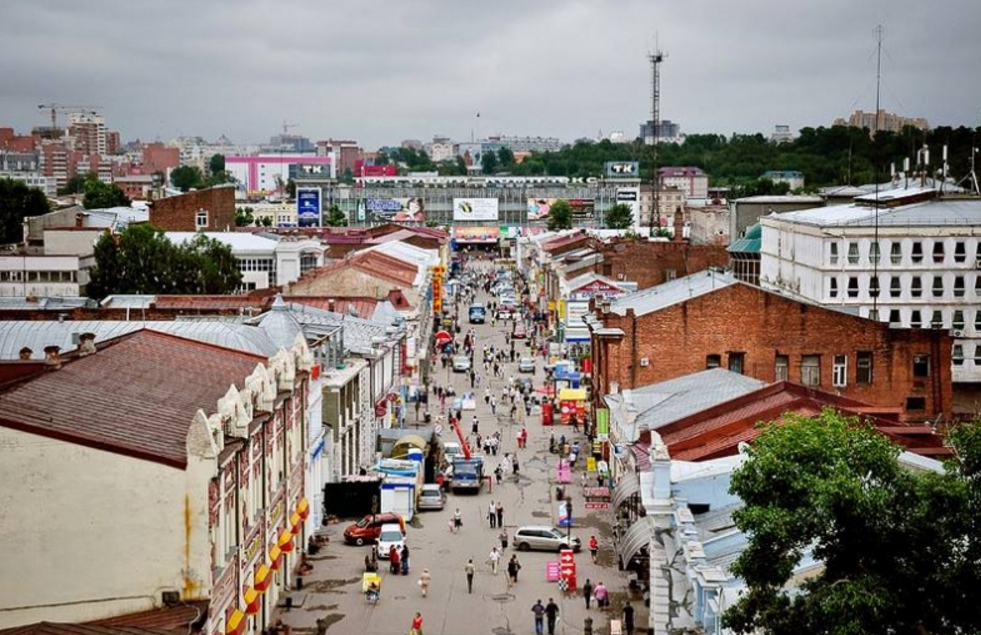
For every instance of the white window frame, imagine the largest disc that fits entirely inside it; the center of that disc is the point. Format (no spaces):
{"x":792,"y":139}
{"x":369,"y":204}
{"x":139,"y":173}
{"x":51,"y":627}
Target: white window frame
{"x":839,"y":371}
{"x":198,"y":216}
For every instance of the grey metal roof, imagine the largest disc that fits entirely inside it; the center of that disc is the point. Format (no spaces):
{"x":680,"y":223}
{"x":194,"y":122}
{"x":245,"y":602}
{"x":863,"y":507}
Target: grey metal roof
{"x":358,"y":332}
{"x":45,"y":304}
{"x":36,"y":335}
{"x":673,"y":292}
{"x":280,"y":324}
{"x":660,"y":404}
{"x":933,"y":213}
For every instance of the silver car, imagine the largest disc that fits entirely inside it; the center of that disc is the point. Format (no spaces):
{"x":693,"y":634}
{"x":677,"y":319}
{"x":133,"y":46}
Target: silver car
{"x":431,"y":496}
{"x":544,"y":538}
{"x":461,"y":364}
{"x":526,"y":365}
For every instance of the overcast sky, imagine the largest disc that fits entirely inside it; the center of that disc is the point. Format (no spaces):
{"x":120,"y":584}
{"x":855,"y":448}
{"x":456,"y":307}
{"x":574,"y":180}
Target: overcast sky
{"x":380,"y":71}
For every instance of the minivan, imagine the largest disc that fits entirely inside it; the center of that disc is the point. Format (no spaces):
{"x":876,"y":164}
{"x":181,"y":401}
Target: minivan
{"x":367,"y":529}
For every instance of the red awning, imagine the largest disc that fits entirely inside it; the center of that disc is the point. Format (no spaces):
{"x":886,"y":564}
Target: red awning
{"x":275,"y":558}
{"x":253,"y":601}
{"x":263,"y":576}
{"x":236,"y":623}
{"x":303,"y":509}
{"x":285,"y":541}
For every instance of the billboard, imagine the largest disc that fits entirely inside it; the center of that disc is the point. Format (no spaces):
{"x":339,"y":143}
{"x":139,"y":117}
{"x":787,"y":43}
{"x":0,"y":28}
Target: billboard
{"x":489,"y":234}
{"x":630,"y":196}
{"x":582,"y":208}
{"x":308,"y":206}
{"x":480,"y":209}
{"x":575,"y":329}
{"x":399,"y":210}
{"x":622,"y":169}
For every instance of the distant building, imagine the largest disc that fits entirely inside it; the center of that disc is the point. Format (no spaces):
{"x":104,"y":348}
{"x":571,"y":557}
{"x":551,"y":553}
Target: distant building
{"x":440,"y":149}
{"x":690,"y":180}
{"x":668,"y":131}
{"x":88,"y":130}
{"x":290,"y":143}
{"x":268,"y":173}
{"x":211,"y":209}
{"x":793,"y":178}
{"x":887,"y":121}
{"x":529,"y":144}
{"x":781,"y":134}
{"x":158,"y":157}
{"x":344,"y":153}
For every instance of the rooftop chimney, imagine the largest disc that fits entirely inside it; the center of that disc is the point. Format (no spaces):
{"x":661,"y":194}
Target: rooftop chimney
{"x":86,"y":344}
{"x":25,"y":353}
{"x":52,"y":357}
{"x":679,"y":226}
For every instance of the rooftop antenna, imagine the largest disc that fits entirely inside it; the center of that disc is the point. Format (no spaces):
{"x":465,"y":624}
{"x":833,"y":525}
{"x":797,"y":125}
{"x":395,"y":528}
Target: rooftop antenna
{"x":972,"y":177}
{"x":874,"y":290}
{"x":655,"y":58}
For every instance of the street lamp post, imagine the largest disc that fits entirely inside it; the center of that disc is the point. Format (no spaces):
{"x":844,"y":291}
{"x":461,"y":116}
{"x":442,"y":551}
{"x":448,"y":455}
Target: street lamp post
{"x":568,"y":512}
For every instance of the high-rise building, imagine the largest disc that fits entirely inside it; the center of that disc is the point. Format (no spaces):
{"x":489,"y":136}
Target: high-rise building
{"x":88,"y":132}
{"x":668,"y":131}
{"x":887,"y":121}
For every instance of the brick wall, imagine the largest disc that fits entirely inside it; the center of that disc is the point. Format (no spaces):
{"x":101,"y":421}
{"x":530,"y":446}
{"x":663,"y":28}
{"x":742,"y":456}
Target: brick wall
{"x":179,"y":213}
{"x":740,"y":319}
{"x":652,"y":263}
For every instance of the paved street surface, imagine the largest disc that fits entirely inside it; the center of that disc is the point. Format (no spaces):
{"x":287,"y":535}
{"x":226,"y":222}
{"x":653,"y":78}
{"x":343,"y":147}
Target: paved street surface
{"x":333,"y":590}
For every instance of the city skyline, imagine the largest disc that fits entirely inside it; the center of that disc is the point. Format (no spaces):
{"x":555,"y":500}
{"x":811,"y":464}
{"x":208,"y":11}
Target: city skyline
{"x":389,"y":71}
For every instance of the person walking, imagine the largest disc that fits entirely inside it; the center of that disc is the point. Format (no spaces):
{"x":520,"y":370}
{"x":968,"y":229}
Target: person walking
{"x":539,"y":612}
{"x":503,"y":537}
{"x":457,"y":521}
{"x":513,"y":568}
{"x":469,"y":569}
{"x":425,"y":579}
{"x":492,"y":515}
{"x":551,"y":614}
{"x":593,"y":547}
{"x":494,"y":558}
{"x":499,"y":512}
{"x":587,"y":592}
{"x":393,"y":560}
{"x":416,"y":624}
{"x":628,"y":619}
{"x":405,"y":560}
{"x":601,"y":595}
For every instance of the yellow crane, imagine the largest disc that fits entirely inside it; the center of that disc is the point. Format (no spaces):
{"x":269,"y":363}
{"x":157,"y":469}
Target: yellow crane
{"x":54,"y":109}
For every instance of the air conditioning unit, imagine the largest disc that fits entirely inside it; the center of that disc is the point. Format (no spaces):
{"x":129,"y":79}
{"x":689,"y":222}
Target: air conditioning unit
{"x":644,"y":362}
{"x":170,"y":598}
{"x":957,"y":333}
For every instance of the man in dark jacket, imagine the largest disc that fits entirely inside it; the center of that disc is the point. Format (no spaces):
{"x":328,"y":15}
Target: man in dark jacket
{"x":551,"y":613}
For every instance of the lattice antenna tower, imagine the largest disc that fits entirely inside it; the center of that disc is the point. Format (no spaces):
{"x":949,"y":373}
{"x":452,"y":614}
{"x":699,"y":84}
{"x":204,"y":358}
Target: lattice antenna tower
{"x":655,"y":59}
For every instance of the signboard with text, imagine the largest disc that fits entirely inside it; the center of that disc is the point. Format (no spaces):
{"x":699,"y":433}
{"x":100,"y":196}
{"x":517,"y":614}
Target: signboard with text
{"x":475,"y":209}
{"x":622,"y":169}
{"x":582,"y":208}
{"x":308,"y":206}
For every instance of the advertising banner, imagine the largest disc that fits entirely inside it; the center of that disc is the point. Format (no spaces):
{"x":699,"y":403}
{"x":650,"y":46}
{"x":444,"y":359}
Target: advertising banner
{"x":575,"y":329}
{"x":399,"y":210}
{"x":308,"y":206}
{"x":479,"y":234}
{"x":476,"y":209}
{"x":630,"y":196}
{"x":582,"y":208}
{"x":622,"y":169}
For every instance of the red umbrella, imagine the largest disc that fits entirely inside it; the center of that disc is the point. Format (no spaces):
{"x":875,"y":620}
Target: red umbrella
{"x":443,"y":338}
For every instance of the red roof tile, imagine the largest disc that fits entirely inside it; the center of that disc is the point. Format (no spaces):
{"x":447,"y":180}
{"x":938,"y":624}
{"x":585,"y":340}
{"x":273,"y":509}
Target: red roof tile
{"x":137,"y":395}
{"x":209,"y":302}
{"x":363,"y":306}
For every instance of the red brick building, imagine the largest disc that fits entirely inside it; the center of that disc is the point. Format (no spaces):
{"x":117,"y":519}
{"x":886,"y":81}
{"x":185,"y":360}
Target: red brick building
{"x":711,"y":320}
{"x":160,"y":158}
{"x":212,"y":209}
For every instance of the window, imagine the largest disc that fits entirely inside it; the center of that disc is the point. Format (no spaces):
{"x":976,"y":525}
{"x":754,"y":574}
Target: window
{"x":201,"y":218}
{"x":874,"y":287}
{"x":937,"y":321}
{"x":977,"y":355}
{"x":834,"y":253}
{"x":921,"y":366}
{"x":834,"y":287}
{"x":916,"y":287}
{"x":736,"y":361}
{"x":713,"y":361}
{"x":895,"y":287}
{"x":852,"y":287}
{"x":977,"y":321}
{"x":977,"y":286}
{"x":915,"y":319}
{"x":938,"y":252}
{"x":960,"y":252}
{"x":810,"y":370}
{"x":958,"y":355}
{"x":671,"y":274}
{"x":917,"y":255}
{"x":839,"y":371}
{"x":958,"y":286}
{"x":938,"y":286}
{"x":781,"y":368}
{"x":896,"y":253}
{"x":874,"y":254}
{"x":895,"y":317}
{"x":852,"y":253}
{"x":916,"y":403}
{"x":958,"y":321}
{"x":863,"y":367}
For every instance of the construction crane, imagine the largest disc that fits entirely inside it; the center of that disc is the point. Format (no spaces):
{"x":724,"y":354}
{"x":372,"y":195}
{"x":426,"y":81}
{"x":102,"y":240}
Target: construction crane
{"x":287,"y":126}
{"x":56,"y":108}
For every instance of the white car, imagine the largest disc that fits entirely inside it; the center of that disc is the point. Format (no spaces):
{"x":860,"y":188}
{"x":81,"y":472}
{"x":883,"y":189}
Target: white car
{"x":451,"y":449}
{"x":391,"y":535}
{"x":526,"y":365}
{"x":461,"y":364}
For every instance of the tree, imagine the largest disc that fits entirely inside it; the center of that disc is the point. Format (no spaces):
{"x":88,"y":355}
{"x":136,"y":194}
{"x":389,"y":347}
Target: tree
{"x":336,"y":217}
{"x":559,"y":216}
{"x":505,"y":158}
{"x":291,"y":188}
{"x":76,"y":184}
{"x":99,"y":195}
{"x":488,"y":162}
{"x":244,"y":217}
{"x":17,"y":202}
{"x":186,"y":177}
{"x":216,"y":164}
{"x":620,"y":216}
{"x":901,"y":550}
{"x":142,"y":260}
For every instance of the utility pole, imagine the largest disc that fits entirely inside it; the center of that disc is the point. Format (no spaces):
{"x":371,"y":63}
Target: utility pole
{"x":655,"y":58}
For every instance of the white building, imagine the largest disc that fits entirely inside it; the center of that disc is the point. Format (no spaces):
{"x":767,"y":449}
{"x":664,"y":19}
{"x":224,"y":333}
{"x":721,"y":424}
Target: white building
{"x":690,"y":180}
{"x":38,"y":276}
{"x":265,"y":260}
{"x":914,"y":261}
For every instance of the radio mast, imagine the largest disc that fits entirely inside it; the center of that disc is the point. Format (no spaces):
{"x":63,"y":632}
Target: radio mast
{"x":655,"y":58}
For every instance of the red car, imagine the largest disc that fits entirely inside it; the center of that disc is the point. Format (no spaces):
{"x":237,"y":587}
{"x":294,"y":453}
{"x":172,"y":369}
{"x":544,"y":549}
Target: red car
{"x":366,"y":530}
{"x":519,"y":332}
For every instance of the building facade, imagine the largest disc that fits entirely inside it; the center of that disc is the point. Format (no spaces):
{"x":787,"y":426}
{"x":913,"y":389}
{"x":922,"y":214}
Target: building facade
{"x":690,"y":180}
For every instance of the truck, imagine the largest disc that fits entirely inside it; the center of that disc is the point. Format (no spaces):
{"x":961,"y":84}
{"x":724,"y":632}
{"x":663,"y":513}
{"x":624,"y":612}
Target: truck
{"x":477,"y":313}
{"x":468,"y":474}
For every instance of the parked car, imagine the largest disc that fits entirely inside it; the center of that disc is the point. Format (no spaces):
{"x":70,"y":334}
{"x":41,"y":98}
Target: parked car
{"x":461,"y":364}
{"x":544,"y":538}
{"x":431,"y":496}
{"x":519,"y":332}
{"x":526,"y":365}
{"x":366,"y":530}
{"x":391,"y":535}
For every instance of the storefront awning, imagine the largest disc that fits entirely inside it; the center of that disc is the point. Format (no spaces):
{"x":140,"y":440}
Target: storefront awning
{"x":285,"y":541}
{"x":303,"y":509}
{"x":263,"y":576}
{"x":635,"y":538}
{"x":626,"y":488}
{"x":572,"y":394}
{"x":252,"y":601}
{"x":236,"y":623}
{"x":295,"y":522}
{"x":275,"y":558}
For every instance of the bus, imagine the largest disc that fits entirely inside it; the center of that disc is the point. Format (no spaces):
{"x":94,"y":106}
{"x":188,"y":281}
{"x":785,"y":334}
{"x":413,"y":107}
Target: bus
{"x":477,"y":313}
